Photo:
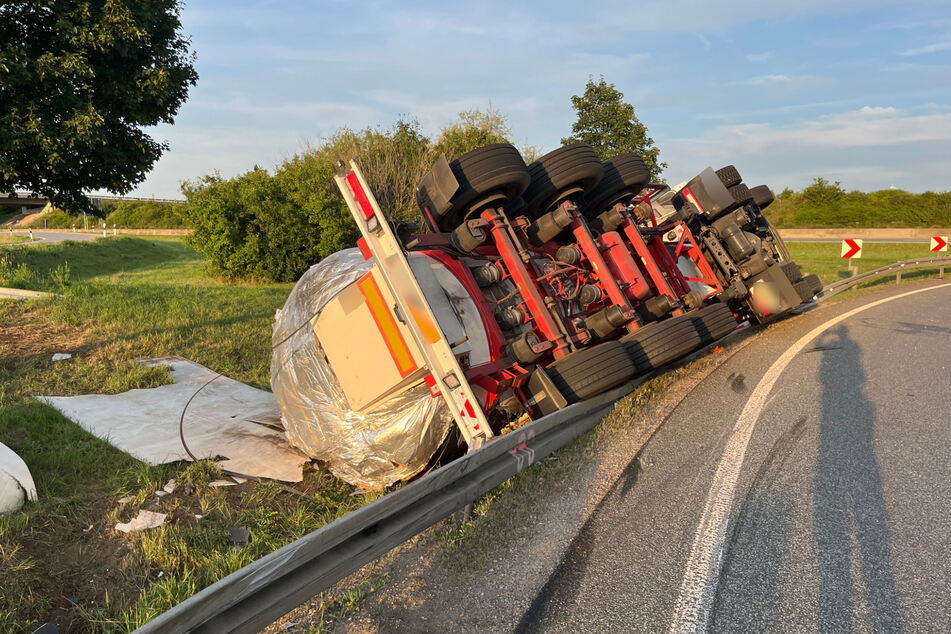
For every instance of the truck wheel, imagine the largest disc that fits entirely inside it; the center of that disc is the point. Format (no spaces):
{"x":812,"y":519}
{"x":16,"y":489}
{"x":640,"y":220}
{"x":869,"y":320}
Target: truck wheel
{"x":575,"y":167}
{"x":792,"y":271}
{"x":729,"y":176}
{"x":624,"y":175}
{"x":659,"y":343}
{"x":714,"y":322}
{"x":741,"y":194}
{"x":815,"y":284}
{"x":590,"y":371}
{"x":762,"y":196}
{"x":496,"y":168}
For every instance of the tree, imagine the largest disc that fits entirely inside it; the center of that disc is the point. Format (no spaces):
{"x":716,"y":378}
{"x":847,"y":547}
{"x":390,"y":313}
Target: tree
{"x":79,"y":80}
{"x":609,"y":125}
{"x":473,"y":129}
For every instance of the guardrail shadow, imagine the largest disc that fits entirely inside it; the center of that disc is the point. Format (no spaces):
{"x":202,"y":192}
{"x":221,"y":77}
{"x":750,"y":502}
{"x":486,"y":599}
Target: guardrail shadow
{"x":849,"y":516}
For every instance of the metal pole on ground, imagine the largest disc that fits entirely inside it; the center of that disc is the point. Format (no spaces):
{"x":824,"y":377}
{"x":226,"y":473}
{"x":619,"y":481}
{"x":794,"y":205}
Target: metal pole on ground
{"x":113,"y":230}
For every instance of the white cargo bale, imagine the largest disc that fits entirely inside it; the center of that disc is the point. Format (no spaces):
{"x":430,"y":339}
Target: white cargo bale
{"x":372,"y":449}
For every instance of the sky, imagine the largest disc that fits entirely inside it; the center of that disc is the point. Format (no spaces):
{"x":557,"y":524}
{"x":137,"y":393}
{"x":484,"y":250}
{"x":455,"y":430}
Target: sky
{"x":786,"y":90}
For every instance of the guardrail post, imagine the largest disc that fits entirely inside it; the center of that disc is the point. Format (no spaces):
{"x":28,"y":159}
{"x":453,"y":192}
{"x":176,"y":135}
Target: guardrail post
{"x":898,"y":277}
{"x":941,"y":272}
{"x":113,"y":230}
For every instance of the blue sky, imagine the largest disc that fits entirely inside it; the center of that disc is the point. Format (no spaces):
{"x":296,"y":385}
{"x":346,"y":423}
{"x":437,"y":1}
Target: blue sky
{"x":858,"y":92}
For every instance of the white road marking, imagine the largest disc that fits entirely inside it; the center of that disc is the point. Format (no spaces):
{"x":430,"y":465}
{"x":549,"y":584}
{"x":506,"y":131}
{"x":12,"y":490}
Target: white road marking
{"x":692,"y":612}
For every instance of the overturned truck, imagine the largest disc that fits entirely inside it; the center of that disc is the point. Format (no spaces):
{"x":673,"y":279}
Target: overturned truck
{"x":530,"y":288}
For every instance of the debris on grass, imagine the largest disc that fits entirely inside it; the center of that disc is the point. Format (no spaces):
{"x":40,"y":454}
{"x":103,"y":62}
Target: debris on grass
{"x":143,"y":521}
{"x":16,"y":481}
{"x":221,"y":419}
{"x":61,"y":356}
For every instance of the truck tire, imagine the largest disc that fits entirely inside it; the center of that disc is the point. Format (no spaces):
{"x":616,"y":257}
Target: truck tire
{"x":572,"y":166}
{"x":625,"y":173}
{"x":714,"y":322}
{"x":589,"y":371}
{"x":815,"y":284}
{"x":662,"y":342}
{"x":792,"y":271}
{"x":496,"y":168}
{"x":741,"y":194}
{"x":729,"y":176}
{"x":762,"y":196}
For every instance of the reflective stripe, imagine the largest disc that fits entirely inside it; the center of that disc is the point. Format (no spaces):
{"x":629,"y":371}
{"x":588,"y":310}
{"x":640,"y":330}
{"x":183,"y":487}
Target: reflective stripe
{"x":384,"y":321}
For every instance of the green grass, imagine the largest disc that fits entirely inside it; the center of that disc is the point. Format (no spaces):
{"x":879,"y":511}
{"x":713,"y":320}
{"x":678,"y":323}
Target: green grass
{"x":12,"y":239}
{"x":124,"y":299}
{"x":823,"y":259}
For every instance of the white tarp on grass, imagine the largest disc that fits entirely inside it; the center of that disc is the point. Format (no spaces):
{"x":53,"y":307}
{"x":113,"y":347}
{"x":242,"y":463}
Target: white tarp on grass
{"x":227,"y":418}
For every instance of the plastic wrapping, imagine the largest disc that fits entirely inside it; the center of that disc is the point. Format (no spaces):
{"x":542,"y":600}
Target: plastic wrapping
{"x":392,"y":442}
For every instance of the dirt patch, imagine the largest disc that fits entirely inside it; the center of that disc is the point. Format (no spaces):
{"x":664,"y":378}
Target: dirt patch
{"x":29,"y":334}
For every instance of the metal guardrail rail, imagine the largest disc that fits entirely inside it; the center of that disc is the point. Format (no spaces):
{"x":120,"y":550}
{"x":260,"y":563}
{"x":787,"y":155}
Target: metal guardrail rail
{"x":251,"y":598}
{"x":896,"y":268}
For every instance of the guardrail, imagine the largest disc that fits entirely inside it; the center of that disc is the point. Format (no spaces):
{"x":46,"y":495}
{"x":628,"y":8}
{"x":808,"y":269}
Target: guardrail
{"x":896,"y":268}
{"x":251,"y":598}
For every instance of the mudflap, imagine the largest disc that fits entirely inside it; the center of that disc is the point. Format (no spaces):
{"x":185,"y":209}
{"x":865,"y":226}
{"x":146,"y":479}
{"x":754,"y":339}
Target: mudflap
{"x":771,"y":293}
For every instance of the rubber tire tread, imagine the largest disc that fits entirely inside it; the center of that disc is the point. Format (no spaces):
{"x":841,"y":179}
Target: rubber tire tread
{"x":590,"y":371}
{"x":623,"y":172}
{"x":714,"y":322}
{"x":762,"y":196}
{"x":572,"y":165}
{"x":741,"y":194}
{"x":662,"y":342}
{"x":804,"y":290}
{"x":495,"y":167}
{"x":815,"y":284}
{"x":729,"y":176}
{"x":792,"y":271}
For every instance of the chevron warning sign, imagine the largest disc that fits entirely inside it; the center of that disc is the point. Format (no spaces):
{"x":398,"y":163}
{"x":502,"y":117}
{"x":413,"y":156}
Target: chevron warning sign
{"x":939,"y":243}
{"x":851,"y":248}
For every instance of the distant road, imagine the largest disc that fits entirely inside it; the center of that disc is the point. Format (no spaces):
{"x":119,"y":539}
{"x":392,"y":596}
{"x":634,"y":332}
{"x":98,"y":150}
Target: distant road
{"x":47,"y":236}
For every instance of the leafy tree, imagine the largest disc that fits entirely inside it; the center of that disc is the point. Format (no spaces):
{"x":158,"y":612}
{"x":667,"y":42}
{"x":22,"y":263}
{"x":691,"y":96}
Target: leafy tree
{"x":473,"y":129}
{"x":609,"y":124}
{"x":79,"y":80}
{"x":821,"y":192}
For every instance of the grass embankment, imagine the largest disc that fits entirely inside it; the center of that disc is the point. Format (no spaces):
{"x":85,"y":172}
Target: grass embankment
{"x":823,"y":259}
{"x":125,"y":299}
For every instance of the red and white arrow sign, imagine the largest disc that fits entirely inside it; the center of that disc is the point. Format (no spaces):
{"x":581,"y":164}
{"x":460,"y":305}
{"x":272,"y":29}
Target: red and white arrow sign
{"x":851,"y":248}
{"x":939,"y":243}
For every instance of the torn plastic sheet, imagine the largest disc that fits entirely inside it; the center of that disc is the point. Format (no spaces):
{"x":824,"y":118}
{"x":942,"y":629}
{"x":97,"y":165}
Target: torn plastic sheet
{"x":144,"y":520}
{"x":227,"y":418}
{"x":16,"y":481}
{"x":392,"y":442}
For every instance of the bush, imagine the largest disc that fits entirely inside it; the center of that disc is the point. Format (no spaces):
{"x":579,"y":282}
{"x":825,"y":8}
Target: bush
{"x":825,"y":204}
{"x":274,"y":226}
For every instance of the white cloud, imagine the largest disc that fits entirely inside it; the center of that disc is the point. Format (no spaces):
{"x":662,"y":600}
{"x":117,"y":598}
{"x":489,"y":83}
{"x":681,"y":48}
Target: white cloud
{"x":867,"y":148}
{"x":931,"y":48}
{"x":763,"y":80}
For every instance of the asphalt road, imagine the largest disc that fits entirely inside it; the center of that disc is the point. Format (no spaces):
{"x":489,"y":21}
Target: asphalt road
{"x":819,"y":504}
{"x":46,"y":236}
